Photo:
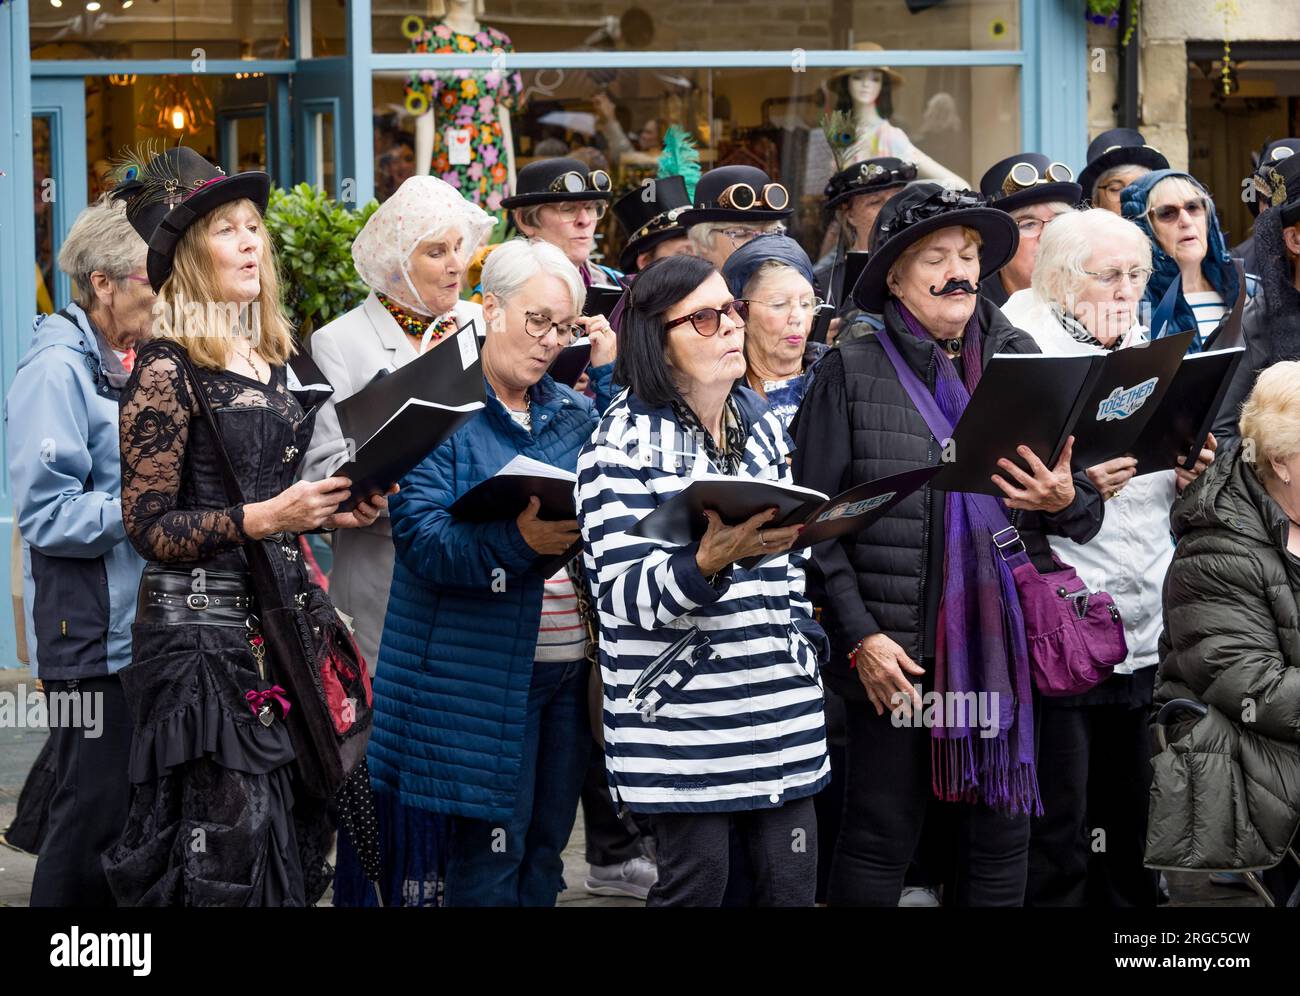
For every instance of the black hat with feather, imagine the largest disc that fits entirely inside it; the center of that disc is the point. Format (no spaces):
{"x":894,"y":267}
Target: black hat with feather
{"x":167,"y":192}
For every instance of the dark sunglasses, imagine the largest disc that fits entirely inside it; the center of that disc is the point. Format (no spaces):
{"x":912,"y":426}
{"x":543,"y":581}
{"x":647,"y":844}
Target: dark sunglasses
{"x":1167,"y":214}
{"x":707,"y":320}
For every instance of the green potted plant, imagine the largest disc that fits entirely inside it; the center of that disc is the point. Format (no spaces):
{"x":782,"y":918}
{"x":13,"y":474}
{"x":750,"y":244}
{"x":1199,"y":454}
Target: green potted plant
{"x":313,"y":235}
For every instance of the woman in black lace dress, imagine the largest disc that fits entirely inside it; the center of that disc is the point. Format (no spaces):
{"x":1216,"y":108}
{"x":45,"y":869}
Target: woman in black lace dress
{"x":216,"y":817}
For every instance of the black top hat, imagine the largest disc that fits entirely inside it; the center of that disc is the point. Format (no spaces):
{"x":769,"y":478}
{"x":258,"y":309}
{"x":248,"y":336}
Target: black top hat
{"x":1270,"y":156}
{"x":1118,"y":147}
{"x":168,"y":192}
{"x":1278,"y":186}
{"x":737,"y":193}
{"x":1029,"y":178}
{"x":547,"y":181}
{"x":924,"y":208}
{"x":648,"y":214}
{"x":867,"y":177}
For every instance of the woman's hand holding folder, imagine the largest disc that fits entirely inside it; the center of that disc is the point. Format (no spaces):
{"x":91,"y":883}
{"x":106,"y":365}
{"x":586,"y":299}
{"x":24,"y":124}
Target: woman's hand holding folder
{"x":547,"y":538}
{"x":722,"y":544}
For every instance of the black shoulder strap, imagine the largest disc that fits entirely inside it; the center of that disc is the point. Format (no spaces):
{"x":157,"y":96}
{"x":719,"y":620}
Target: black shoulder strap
{"x":259,"y":563}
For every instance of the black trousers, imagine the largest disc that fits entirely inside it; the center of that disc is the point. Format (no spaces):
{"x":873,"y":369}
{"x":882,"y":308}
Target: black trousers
{"x":887,"y":795}
{"x":610,"y":840}
{"x":1094,"y":776}
{"x":91,"y":797}
{"x":694,"y":855}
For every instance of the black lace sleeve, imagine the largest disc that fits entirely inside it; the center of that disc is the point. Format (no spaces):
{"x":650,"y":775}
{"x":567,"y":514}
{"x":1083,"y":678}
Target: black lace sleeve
{"x":154,"y":424}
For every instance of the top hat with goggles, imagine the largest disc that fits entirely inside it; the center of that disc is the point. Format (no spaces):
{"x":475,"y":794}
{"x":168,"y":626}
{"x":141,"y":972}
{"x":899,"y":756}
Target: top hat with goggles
{"x":868,"y":177}
{"x":737,"y":193}
{"x":550,"y":181}
{"x":1271,"y":155}
{"x":650,"y":213}
{"x":1029,"y":178}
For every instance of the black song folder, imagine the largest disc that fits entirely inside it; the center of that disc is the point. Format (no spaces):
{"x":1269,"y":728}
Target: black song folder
{"x":601,"y":299}
{"x":505,"y":494}
{"x":681,"y":520}
{"x":1039,"y":401}
{"x":398,"y":419}
{"x":1179,"y":427}
{"x":571,"y":362}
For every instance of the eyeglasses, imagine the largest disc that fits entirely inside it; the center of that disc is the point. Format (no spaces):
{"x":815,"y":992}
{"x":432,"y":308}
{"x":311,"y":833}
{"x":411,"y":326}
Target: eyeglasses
{"x":1031,"y":228}
{"x":1025,"y":175}
{"x":741,"y":197}
{"x":784,"y":308}
{"x":1167,"y":214}
{"x":574,"y":182}
{"x":707,"y":320}
{"x":569,"y":210}
{"x":1115,"y":187}
{"x":1112,"y":275}
{"x":137,"y":280}
{"x":537,"y":326}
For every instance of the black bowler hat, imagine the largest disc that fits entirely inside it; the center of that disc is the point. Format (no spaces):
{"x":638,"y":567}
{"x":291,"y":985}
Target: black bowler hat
{"x":1029,"y":178}
{"x":548,"y":181}
{"x":1118,"y":147}
{"x":168,"y":192}
{"x":737,"y":193}
{"x":918,"y":211}
{"x":1270,"y":156}
{"x":868,"y":177}
{"x":648,"y":214}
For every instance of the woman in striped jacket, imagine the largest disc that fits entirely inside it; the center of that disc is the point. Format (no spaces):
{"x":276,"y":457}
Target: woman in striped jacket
{"x":713,"y":699}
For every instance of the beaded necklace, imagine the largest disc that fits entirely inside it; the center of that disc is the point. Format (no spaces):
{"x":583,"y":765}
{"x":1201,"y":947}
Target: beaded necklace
{"x":416,"y":325}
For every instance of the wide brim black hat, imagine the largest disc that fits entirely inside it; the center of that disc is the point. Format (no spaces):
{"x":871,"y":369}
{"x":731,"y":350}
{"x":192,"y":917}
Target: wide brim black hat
{"x":532,"y":184}
{"x":921,"y":210}
{"x":868,"y":177}
{"x":1129,"y":149}
{"x":635,"y":213}
{"x":167,"y":192}
{"x":709,"y":188}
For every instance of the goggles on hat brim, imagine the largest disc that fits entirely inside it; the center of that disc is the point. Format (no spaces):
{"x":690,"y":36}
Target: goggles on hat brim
{"x":741,"y":197}
{"x":1024,"y":175}
{"x":659,"y":222}
{"x":574,"y":182}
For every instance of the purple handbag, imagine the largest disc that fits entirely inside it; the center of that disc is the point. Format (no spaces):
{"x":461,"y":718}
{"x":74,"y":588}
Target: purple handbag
{"x":1075,"y":636}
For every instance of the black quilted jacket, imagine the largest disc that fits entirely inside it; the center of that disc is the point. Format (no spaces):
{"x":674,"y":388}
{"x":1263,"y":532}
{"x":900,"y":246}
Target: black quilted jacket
{"x":857,"y":424}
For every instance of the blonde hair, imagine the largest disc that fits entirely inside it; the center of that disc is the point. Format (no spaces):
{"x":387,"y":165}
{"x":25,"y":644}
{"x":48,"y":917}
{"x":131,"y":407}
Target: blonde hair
{"x":1270,"y":418}
{"x":194,"y":315}
{"x":1174,"y":188}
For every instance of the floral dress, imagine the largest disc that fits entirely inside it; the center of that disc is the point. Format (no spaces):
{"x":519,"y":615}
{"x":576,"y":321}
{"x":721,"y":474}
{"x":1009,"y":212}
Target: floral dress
{"x":216,"y":817}
{"x":466,"y":105}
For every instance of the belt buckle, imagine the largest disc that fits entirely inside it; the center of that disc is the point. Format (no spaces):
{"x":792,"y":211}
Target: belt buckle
{"x":197,"y":601}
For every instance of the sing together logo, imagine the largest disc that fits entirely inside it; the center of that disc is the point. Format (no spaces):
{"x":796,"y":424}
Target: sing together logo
{"x":849,"y":509}
{"x":1123,"y":402}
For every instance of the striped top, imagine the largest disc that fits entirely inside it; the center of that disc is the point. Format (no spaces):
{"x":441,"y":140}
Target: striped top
{"x":562,"y":637}
{"x":735,"y":721}
{"x":1208,"y":309}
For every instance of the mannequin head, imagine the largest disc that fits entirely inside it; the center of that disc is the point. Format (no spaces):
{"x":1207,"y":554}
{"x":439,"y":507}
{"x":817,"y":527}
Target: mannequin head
{"x":461,"y":8}
{"x":868,"y":86}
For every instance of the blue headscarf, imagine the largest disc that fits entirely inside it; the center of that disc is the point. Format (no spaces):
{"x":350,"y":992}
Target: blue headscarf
{"x":1217,"y":265}
{"x":742,"y":263}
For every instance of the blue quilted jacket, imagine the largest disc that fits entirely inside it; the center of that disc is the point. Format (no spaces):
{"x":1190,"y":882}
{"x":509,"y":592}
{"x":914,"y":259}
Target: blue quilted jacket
{"x":463,"y":614}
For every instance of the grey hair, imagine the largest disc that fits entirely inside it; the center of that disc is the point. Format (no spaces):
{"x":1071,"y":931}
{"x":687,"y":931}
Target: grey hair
{"x":530,"y":215}
{"x":1058,"y":207}
{"x":701,"y":235}
{"x":512,"y":264}
{"x":101,"y":240}
{"x":1068,"y":242}
{"x":1113,"y":172}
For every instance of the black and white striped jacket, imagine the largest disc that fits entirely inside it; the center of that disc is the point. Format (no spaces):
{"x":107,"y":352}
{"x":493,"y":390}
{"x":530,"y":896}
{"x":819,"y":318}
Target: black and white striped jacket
{"x":736,"y":722}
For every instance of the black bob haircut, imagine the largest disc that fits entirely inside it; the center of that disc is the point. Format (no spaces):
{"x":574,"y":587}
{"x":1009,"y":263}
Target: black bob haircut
{"x":844,"y":100}
{"x":641,"y":364}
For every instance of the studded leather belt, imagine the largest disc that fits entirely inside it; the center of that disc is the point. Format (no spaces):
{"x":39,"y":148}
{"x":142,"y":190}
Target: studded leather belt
{"x":202,"y":598}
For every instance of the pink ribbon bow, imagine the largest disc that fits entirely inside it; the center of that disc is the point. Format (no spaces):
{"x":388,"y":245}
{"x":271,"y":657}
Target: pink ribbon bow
{"x":258,"y":699}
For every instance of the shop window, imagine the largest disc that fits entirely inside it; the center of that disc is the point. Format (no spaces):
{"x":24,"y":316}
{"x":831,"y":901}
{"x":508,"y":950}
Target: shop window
{"x":325,"y":36}
{"x":322,"y":141}
{"x":160,"y":29}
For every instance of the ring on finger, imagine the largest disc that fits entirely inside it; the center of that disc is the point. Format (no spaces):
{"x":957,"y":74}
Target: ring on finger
{"x":761,"y":538}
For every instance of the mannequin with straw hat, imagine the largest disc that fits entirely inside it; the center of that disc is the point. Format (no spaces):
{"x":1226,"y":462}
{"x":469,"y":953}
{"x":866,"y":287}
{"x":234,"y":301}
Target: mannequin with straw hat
{"x":858,"y":105}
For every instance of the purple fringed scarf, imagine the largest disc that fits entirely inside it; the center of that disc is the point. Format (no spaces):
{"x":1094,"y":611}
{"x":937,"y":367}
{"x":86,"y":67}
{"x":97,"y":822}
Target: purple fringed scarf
{"x":980,"y":636}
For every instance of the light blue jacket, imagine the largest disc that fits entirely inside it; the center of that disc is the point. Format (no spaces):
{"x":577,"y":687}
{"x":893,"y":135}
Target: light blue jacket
{"x":61,"y":418}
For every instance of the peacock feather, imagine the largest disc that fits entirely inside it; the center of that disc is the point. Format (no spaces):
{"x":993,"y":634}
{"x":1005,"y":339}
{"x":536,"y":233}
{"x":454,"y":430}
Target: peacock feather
{"x":145,"y":176}
{"x":680,"y":158}
{"x":838,"y":129}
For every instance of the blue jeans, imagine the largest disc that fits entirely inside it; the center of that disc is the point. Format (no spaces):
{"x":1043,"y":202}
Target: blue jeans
{"x":519,"y":864}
